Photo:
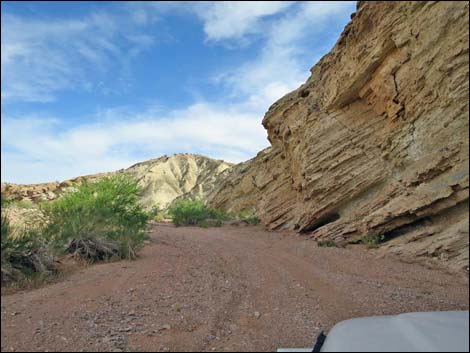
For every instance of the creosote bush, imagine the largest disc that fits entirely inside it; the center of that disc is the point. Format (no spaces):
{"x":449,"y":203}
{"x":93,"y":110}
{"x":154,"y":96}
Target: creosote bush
{"x":100,"y":221}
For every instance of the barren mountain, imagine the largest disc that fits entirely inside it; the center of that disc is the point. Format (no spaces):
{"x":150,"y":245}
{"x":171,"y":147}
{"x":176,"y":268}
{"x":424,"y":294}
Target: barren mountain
{"x":162,"y":179}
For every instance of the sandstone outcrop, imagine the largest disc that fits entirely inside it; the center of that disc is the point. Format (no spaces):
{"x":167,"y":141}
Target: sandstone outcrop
{"x":375,"y":143}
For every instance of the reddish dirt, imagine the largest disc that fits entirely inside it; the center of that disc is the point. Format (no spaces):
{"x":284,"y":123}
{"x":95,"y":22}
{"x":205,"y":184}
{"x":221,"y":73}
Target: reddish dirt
{"x":221,"y":289}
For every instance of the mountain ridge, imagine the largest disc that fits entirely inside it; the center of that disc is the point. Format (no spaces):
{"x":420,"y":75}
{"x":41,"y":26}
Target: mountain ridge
{"x":162,"y":179}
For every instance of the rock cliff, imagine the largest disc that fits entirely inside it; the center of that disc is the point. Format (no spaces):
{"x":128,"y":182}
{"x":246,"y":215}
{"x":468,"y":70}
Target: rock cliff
{"x":375,"y":143}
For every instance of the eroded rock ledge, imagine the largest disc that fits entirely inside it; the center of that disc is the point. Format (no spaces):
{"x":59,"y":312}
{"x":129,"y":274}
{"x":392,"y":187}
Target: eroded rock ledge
{"x":375,"y":143}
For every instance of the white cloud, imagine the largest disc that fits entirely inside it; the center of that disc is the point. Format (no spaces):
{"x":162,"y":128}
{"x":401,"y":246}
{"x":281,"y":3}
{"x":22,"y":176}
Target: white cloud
{"x":281,"y":65}
{"x":222,"y":20}
{"x":235,"y":19}
{"x":229,"y":133}
{"x":41,"y":57}
{"x":119,"y":137}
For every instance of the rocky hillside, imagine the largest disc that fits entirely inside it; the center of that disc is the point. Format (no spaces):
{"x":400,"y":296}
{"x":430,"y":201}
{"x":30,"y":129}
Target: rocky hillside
{"x":162,"y":179}
{"x":166,"y":178}
{"x":375,"y":143}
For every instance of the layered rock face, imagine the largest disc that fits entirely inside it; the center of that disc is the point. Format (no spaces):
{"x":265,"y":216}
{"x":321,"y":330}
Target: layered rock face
{"x":162,"y":179}
{"x":375,"y":143}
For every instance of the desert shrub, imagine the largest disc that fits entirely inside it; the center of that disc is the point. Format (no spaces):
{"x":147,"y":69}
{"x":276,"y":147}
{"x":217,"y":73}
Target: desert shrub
{"x":24,"y":253}
{"x":157,"y":213}
{"x":154,"y":211}
{"x":188,"y":212}
{"x":216,"y":214}
{"x":5,"y":201}
{"x":203,"y":224}
{"x":28,"y":204}
{"x":248,"y":216}
{"x":372,"y":240}
{"x":160,"y":217}
{"x":210,"y":222}
{"x":100,"y":220}
{"x":195,"y":212}
{"x":326,"y":244}
{"x":8,"y":202}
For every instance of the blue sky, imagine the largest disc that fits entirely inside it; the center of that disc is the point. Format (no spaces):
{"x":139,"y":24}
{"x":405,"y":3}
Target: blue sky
{"x":91,"y":87}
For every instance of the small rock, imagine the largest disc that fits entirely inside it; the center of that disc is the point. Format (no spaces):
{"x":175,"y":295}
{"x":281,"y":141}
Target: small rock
{"x":211,"y":338}
{"x":257,"y":314}
{"x":165,"y":327}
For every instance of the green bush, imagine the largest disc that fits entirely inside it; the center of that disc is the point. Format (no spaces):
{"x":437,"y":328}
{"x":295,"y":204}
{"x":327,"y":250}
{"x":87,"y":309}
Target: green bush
{"x":188,"y":212}
{"x":101,"y":220}
{"x":194,"y":212}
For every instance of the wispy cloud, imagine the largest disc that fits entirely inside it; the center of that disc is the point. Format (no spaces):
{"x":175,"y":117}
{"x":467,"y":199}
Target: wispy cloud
{"x":225,"y":20}
{"x":281,"y":64}
{"x":42,"y":57}
{"x":222,"y":21}
{"x":39,"y":60}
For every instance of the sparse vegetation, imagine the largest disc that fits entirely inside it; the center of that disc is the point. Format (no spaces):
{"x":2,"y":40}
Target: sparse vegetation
{"x":189,"y":212}
{"x":100,"y":221}
{"x":203,"y":224}
{"x":373,"y":240}
{"x":326,"y":243}
{"x":248,"y":216}
{"x":25,"y":204}
{"x":24,"y":253}
{"x":5,"y":201}
{"x":154,"y":211}
{"x":160,"y":217}
{"x":158,"y":214}
{"x":194,"y":212}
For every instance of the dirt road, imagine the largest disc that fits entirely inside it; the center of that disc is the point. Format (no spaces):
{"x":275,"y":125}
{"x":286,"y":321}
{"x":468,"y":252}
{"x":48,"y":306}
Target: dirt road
{"x":220,"y":289}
